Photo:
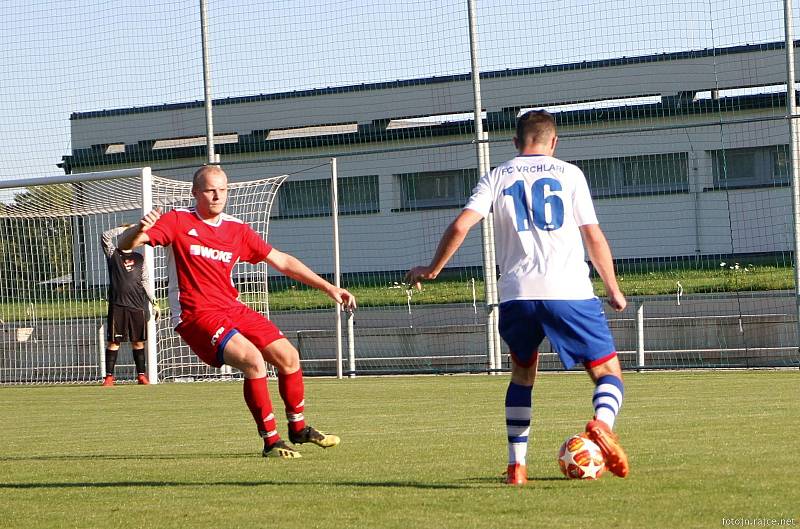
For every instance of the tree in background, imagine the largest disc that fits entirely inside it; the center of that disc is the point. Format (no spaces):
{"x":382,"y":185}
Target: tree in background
{"x":35,"y":250}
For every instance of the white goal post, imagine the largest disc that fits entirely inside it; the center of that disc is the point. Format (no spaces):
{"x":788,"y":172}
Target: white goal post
{"x":54,"y":280}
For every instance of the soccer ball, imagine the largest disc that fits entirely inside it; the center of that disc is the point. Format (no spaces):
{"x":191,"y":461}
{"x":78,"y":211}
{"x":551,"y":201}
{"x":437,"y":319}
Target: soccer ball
{"x":580,"y":458}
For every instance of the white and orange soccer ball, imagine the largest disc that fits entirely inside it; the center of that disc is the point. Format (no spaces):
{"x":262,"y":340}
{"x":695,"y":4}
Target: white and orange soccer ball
{"x":580,"y":458}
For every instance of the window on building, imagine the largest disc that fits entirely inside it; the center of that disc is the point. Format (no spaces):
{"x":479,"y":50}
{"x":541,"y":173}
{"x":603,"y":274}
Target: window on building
{"x":436,"y":188}
{"x":316,"y":130}
{"x":312,"y":198}
{"x":194,"y":141}
{"x":647,"y":174}
{"x":359,"y":194}
{"x":752,"y":166}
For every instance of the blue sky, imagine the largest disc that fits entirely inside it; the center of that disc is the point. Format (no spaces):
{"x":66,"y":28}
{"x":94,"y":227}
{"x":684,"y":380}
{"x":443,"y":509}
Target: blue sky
{"x":78,"y":55}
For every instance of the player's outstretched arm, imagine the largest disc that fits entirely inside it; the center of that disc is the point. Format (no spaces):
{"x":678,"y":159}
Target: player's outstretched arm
{"x":451,"y":240}
{"x":600,"y":255}
{"x":136,"y":235}
{"x":291,"y":266}
{"x":107,"y":239}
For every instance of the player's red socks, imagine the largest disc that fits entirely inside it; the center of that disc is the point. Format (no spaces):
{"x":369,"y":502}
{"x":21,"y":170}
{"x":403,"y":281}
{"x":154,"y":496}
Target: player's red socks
{"x":293,"y":394}
{"x":257,"y":398}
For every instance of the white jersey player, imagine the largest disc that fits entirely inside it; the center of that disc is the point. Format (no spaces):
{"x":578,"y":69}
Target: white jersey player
{"x":543,"y":217}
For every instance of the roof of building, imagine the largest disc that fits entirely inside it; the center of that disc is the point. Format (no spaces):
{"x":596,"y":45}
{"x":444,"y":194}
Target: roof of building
{"x":147,"y":151}
{"x":511,"y":72}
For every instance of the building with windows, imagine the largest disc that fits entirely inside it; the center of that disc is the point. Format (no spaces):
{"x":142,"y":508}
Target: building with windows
{"x":686,"y":153}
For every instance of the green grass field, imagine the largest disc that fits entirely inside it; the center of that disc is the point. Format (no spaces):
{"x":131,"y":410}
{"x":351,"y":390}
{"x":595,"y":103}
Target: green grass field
{"x":421,"y":452}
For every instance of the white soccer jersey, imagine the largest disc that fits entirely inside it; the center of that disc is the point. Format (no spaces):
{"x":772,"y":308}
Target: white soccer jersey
{"x":539,"y":202}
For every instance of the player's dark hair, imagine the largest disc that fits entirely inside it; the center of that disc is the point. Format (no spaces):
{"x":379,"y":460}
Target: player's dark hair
{"x":535,"y":127}
{"x":206,"y":169}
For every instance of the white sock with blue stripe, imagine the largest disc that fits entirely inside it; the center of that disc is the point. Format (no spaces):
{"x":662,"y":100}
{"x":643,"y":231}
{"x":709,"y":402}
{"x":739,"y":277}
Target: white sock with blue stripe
{"x":518,"y":421}
{"x":607,"y":399}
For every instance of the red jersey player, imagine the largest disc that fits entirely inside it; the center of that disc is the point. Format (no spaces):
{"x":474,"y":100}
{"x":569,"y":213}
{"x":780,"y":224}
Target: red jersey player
{"x":205,"y":243}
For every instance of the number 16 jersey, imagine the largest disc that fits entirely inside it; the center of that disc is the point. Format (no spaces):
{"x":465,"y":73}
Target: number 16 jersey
{"x":539,"y":203}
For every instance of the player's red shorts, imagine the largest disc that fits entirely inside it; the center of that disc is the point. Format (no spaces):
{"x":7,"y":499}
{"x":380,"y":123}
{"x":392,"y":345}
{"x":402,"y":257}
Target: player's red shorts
{"x":208,"y":332}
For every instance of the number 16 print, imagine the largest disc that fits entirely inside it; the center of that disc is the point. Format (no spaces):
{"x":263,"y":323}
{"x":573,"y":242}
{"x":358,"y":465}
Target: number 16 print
{"x":539,"y":202}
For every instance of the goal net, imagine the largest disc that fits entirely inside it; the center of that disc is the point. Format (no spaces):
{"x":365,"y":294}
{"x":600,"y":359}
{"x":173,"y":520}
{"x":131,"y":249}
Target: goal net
{"x":54,"y":276}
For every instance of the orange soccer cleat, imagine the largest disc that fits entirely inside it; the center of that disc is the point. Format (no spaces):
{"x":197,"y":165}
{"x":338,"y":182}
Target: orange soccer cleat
{"x":108,"y":380}
{"x":142,"y":379}
{"x":615,"y":456}
{"x":516,"y":474}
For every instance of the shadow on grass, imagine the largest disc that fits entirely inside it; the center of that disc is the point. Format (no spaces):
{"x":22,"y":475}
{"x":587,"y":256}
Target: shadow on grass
{"x":499,"y":479}
{"x":258,"y":483}
{"x":131,"y":457}
{"x":467,"y":483}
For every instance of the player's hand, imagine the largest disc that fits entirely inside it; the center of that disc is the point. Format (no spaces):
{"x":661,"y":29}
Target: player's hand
{"x":418,"y":274}
{"x":148,"y":220}
{"x":343,"y":298}
{"x":617,"y":301}
{"x":156,"y":313}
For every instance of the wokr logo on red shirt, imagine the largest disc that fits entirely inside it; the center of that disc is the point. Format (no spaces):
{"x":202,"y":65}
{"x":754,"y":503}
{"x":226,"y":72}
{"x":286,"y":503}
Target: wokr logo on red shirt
{"x":210,"y":253}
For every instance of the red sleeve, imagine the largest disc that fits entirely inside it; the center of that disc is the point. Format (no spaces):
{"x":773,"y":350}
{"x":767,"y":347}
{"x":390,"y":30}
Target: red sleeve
{"x":254,"y":248}
{"x":163,"y":231}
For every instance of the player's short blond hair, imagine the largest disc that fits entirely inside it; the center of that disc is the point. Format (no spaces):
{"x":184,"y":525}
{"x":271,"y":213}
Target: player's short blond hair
{"x":535,"y":127}
{"x":203,"y":171}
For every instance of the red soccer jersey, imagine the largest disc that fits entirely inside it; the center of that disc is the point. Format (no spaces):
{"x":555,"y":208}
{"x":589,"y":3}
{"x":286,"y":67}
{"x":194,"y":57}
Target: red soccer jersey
{"x":201,"y":258}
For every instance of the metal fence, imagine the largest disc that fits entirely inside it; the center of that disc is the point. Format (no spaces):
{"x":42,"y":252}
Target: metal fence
{"x":677,"y":114}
